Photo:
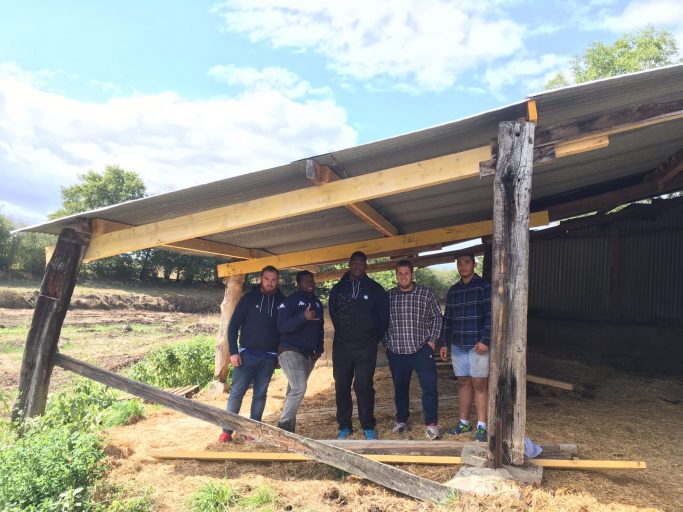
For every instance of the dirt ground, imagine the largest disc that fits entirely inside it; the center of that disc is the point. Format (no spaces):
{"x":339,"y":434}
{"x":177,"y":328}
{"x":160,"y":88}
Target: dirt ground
{"x":617,"y":416}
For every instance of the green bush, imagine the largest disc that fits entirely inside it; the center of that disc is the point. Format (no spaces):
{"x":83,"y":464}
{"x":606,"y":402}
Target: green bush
{"x":49,"y":467}
{"x":178,"y":365}
{"x":211,"y":497}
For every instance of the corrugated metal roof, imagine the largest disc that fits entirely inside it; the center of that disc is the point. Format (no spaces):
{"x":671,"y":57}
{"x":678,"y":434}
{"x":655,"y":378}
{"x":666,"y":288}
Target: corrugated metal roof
{"x":628,"y":154}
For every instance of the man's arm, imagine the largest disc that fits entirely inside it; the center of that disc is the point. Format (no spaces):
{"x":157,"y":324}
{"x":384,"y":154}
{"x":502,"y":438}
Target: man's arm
{"x":288,"y":320}
{"x":236,"y":320}
{"x":382,"y":311}
{"x":434,"y":318}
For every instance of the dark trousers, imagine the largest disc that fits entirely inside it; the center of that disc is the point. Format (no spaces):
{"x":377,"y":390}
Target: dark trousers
{"x":402,"y":367}
{"x":355,"y":367}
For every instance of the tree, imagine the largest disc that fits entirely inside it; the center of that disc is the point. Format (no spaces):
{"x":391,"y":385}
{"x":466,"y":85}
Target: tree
{"x":94,"y":190}
{"x":9,"y":244}
{"x":650,"y":48}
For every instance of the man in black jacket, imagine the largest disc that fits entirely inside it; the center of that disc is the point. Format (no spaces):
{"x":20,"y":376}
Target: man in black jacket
{"x":255,"y":320}
{"x":300,"y":322}
{"x":359,"y":309}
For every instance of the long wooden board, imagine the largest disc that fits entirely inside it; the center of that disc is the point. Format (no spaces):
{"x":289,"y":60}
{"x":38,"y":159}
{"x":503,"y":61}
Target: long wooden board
{"x":578,"y":464}
{"x":387,"y":476}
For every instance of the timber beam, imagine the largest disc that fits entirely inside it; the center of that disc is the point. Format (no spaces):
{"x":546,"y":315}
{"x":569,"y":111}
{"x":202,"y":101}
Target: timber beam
{"x":322,"y":174}
{"x":396,"y":180}
{"x":372,"y":247}
{"x":418,"y":262}
{"x":387,"y":476}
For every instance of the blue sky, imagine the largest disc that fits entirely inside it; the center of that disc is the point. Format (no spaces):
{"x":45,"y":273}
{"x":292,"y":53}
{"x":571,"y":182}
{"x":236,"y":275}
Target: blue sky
{"x":190,"y":92}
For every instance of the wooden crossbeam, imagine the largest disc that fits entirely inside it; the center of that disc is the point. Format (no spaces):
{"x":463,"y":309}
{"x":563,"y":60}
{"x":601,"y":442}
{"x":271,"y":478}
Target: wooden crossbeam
{"x":371,"y":247}
{"x":395,"y":459}
{"x":322,"y":174}
{"x":404,"y":178}
{"x":667,"y":170}
{"x":418,"y":262}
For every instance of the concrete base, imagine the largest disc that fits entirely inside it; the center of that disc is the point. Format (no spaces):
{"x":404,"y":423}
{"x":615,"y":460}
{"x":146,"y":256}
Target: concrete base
{"x":216,"y":387}
{"x":477,"y":456}
{"x":484,"y":482}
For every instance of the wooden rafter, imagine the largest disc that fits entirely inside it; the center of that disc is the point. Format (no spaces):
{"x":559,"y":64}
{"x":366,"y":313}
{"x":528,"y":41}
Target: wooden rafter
{"x":372,"y":247}
{"x":614,"y":198}
{"x":322,"y":174}
{"x":531,"y":111}
{"x":404,"y":178}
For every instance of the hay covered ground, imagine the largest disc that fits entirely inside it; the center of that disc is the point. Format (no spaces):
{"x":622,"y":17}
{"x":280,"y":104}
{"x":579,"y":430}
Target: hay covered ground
{"x":618,"y":416}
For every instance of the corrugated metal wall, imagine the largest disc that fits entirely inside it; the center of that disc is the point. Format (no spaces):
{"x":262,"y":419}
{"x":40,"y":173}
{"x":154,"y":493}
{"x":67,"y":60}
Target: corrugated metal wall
{"x":570,"y":276}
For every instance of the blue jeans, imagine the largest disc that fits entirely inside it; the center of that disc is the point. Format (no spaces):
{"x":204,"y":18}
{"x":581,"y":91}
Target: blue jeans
{"x":256,"y":370}
{"x":402,"y":367}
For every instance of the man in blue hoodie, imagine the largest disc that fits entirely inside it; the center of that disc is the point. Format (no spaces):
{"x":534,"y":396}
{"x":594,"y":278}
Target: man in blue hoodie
{"x":300,"y":322}
{"x":254,"y":359}
{"x":359,"y":308}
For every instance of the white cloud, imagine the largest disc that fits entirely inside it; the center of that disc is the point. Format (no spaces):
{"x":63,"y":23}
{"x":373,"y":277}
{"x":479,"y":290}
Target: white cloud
{"x":267,"y":79}
{"x":533,"y":72}
{"x":425,"y":44}
{"x":47,"y":139}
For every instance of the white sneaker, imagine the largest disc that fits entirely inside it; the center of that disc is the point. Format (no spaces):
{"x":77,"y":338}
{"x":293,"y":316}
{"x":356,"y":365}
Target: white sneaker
{"x":432,"y":432}
{"x":400,"y":428}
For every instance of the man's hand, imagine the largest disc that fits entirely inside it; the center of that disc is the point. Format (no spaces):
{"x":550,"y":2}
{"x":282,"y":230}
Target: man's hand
{"x":432,"y":345}
{"x":236,"y":360}
{"x":480,"y":348}
{"x":309,"y":314}
{"x":443,"y":353}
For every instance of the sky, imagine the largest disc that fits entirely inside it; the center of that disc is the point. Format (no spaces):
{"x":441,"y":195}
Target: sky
{"x":185,"y":93}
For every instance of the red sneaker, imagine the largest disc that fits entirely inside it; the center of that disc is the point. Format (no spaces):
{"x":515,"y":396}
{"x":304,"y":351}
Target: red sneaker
{"x":225,"y":437}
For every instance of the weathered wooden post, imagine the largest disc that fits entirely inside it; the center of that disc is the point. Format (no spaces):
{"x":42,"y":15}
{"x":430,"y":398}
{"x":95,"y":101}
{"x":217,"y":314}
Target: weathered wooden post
{"x":41,"y":344}
{"x":509,"y":292}
{"x":488,"y":259}
{"x":233,"y":292}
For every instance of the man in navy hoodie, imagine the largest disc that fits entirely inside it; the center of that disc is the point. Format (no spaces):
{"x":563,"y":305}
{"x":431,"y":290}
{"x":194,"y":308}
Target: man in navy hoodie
{"x":254,"y":359}
{"x":300,"y":322}
{"x":359,"y":308}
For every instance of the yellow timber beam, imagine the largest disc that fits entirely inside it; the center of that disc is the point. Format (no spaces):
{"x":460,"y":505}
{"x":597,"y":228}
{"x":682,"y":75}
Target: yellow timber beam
{"x":322,"y":174}
{"x":396,"y":180}
{"x":372,"y":247}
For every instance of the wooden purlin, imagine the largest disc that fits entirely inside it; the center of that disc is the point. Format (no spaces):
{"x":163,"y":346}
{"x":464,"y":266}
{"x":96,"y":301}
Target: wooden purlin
{"x":372,"y":247}
{"x":396,"y":180}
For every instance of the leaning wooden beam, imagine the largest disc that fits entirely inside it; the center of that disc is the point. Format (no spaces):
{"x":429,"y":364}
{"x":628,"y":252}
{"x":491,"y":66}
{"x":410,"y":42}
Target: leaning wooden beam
{"x":322,"y":174}
{"x":404,"y":178}
{"x":372,"y":247}
{"x":418,"y":262}
{"x":387,"y":476}
{"x":509,"y":293}
{"x":667,"y":170}
{"x":396,"y":459}
{"x":51,"y":307}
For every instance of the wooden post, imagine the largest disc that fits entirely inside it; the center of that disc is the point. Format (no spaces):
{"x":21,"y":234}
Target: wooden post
{"x":387,"y":476}
{"x":509,"y":293}
{"x":233,"y":292}
{"x":41,"y":344}
{"x":488,"y":260}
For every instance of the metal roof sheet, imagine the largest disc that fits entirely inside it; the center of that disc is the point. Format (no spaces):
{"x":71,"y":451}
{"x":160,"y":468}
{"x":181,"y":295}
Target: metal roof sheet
{"x":629,"y":154}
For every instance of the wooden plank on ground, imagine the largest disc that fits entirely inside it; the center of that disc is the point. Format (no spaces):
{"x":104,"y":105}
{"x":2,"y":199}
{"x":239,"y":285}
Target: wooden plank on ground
{"x":550,"y":382}
{"x":387,"y":476}
{"x":577,"y":464}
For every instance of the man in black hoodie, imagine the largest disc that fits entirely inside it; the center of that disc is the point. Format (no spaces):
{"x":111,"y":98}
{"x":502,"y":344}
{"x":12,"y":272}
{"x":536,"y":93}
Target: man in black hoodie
{"x":300,"y":322}
{"x":254,"y":360}
{"x":359,"y":308}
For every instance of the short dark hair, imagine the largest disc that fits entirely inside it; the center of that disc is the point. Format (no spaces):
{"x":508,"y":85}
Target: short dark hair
{"x":470,"y":254}
{"x":269,"y":268}
{"x":301,"y":275}
{"x":359,"y":254}
{"x":405,"y":263}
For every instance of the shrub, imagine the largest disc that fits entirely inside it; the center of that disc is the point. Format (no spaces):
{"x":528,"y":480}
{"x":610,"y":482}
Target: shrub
{"x":211,"y":497}
{"x":178,"y":365}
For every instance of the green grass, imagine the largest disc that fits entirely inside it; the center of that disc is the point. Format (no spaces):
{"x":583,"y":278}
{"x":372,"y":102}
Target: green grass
{"x":215,"y":497}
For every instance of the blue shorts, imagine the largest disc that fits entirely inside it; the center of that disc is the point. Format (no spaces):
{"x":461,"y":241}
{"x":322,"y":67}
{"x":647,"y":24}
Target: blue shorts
{"x":467,"y":363}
